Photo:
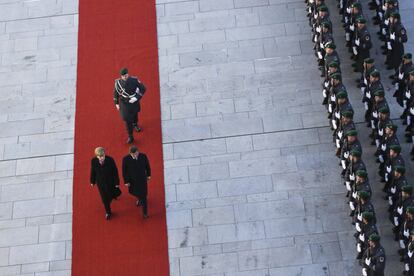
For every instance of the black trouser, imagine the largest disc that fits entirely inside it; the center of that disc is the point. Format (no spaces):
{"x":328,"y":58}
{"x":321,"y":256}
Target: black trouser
{"x":106,"y":201}
{"x":144,"y":204}
{"x":130,"y":125}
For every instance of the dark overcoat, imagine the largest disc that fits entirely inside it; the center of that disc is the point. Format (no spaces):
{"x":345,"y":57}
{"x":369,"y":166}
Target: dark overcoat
{"x":136,"y":172}
{"x":105,"y":176}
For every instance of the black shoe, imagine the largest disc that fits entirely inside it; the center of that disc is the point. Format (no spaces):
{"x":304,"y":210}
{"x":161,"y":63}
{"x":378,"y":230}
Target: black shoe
{"x":130,"y":140}
{"x":137,"y":128}
{"x":108,"y":216}
{"x":145,"y":216}
{"x":138,"y":203}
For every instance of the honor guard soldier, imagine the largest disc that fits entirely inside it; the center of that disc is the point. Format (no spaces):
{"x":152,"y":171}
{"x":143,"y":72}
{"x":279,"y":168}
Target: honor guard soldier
{"x":401,"y":76}
{"x":379,"y":103}
{"x":368,"y":67}
{"x":368,"y":99}
{"x":368,"y":228}
{"x":383,"y":120}
{"x":404,"y":235}
{"x":397,"y":36}
{"x":405,"y":200}
{"x":373,"y":260}
{"x":362,"y":44}
{"x":351,"y":143}
{"x":363,"y":205}
{"x":355,"y":164}
{"x":395,"y":159}
{"x":333,"y":68}
{"x":330,"y":56}
{"x":128,"y":92}
{"x":361,"y":184}
{"x":395,"y":187}
{"x":345,"y":125}
{"x":409,"y":257}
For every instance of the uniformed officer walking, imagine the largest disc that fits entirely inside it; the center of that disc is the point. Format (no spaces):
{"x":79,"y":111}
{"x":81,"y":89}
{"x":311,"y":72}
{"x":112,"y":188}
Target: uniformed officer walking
{"x":128,"y":92}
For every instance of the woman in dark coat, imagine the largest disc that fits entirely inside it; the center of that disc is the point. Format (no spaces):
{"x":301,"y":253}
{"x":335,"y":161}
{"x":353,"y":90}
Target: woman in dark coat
{"x":104,"y":173}
{"x":136,"y":172}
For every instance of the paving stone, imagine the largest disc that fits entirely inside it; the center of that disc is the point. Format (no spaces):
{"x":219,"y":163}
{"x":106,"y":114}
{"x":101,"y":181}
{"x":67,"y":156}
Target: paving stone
{"x":37,"y":267}
{"x":176,"y":175}
{"x":283,"y":227}
{"x":10,"y":270}
{"x":235,"y":232}
{"x":18,"y":236}
{"x":26,"y":191}
{"x":60,"y":265}
{"x":213,"y":216}
{"x":55,"y":232}
{"x":179,"y":219}
{"x":208,"y":172}
{"x":240,"y":186}
{"x":199,"y":148}
{"x":283,"y":139}
{"x":260,"y":167}
{"x":181,"y":8}
{"x":4,"y":256}
{"x":196,"y":190}
{"x":35,"y":165}
{"x":37,"y":253}
{"x":40,"y":220}
{"x":209,"y":264}
{"x":308,"y":270}
{"x":7,"y":168}
{"x":39,"y":207}
{"x":21,"y":128}
{"x":194,"y":236}
{"x":6,"y":211}
{"x":223,"y":201}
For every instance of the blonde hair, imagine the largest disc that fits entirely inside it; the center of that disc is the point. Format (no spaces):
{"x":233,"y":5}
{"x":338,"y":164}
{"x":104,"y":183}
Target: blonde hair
{"x":99,"y":151}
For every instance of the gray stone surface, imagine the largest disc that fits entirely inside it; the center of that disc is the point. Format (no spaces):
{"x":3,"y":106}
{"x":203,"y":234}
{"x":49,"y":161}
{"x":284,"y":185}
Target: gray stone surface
{"x":38,"y":45}
{"x":252,"y":180}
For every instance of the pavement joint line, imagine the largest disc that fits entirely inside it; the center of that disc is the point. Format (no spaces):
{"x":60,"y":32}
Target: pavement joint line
{"x":260,"y":133}
{"x":36,"y":156}
{"x":38,"y":17}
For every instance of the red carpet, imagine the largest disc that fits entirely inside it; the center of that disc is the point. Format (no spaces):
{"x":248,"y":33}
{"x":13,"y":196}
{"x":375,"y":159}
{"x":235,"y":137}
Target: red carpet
{"x":113,"y":34}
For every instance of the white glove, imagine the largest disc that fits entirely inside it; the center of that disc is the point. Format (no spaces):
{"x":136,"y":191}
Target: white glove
{"x":365,"y":81}
{"x":351,"y":206}
{"x":372,"y":124}
{"x":410,"y":253}
{"x":407,"y":267}
{"x":363,"y":90}
{"x":396,"y":221}
{"x":402,"y":244}
{"x":381,"y":158}
{"x":368,"y":95}
{"x":337,"y":142}
{"x":318,"y":29}
{"x":315,"y":38}
{"x":411,"y":111}
{"x":384,"y":31}
{"x":337,"y":115}
{"x":343,"y":164}
{"x":333,"y":98}
{"x":383,"y":147}
{"x":354,"y":195}
{"x":352,"y":27}
{"x":377,"y":143}
{"x":386,"y":177}
{"x":359,"y":217}
{"x":381,"y":132}
{"x":367,"y":261}
{"x":348,"y":10}
{"x":357,"y":42}
{"x":405,"y":103}
{"x":390,"y":201}
{"x":358,"y":227}
{"x":396,"y":85}
{"x":408,"y":94}
{"x":386,"y":22}
{"x":354,"y":49}
{"x":400,"y":210}
{"x":389,"y":47}
{"x":364,"y":272}
{"x":406,"y":233}
{"x":375,"y":114}
{"x":346,"y":19}
{"x":359,"y":247}
{"x":346,"y":154}
{"x":321,"y":45}
{"x":388,"y":168}
{"x":347,"y":36}
{"x":392,"y":36}
{"x":348,"y":186}
{"x":326,"y":84}
{"x":352,"y":177}
{"x":393,"y":190}
{"x":334,"y":125}
{"x":330,"y":108}
{"x":366,"y":105}
{"x":401,"y":76}
{"x":384,"y":8}
{"x":315,"y":16}
{"x":362,"y":237}
{"x":320,"y":55}
{"x":340,"y":133}
{"x":324,"y":93}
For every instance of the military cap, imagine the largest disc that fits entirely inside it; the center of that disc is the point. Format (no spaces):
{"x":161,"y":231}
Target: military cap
{"x":361,"y":20}
{"x":325,"y":24}
{"x":123,"y":71}
{"x":347,"y":114}
{"x":400,"y":169}
{"x":396,"y":148}
{"x":356,"y":5}
{"x":379,"y":93}
{"x":361,"y":173}
{"x":389,"y":1}
{"x":410,"y":210}
{"x":369,"y":60}
{"x":367,"y":215}
{"x":342,"y":94}
{"x":375,"y":73}
{"x":374,"y":238}
{"x":334,"y":64}
{"x":363,"y":194}
{"x":351,"y":132}
{"x":323,"y":8}
{"x":407,"y":189}
{"x":355,"y":152}
{"x":392,"y":126}
{"x":395,"y":14}
{"x":407,"y":56}
{"x":336,"y":76}
{"x":330,"y":45}
{"x":384,"y":110}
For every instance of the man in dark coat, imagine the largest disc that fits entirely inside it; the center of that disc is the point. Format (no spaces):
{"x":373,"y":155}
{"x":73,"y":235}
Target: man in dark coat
{"x":128,"y":92}
{"x":136,"y":171}
{"x":104,"y":174}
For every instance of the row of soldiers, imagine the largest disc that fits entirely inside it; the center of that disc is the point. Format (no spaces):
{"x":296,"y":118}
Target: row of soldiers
{"x":392,"y":166}
{"x":345,"y":136}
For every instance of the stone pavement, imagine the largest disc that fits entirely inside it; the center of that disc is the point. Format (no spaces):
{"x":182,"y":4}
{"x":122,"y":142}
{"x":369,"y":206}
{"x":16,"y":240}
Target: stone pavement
{"x":38,"y":46}
{"x":252,"y":183}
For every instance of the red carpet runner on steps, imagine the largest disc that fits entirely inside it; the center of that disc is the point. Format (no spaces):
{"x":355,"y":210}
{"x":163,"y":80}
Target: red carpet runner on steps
{"x":113,"y":34}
